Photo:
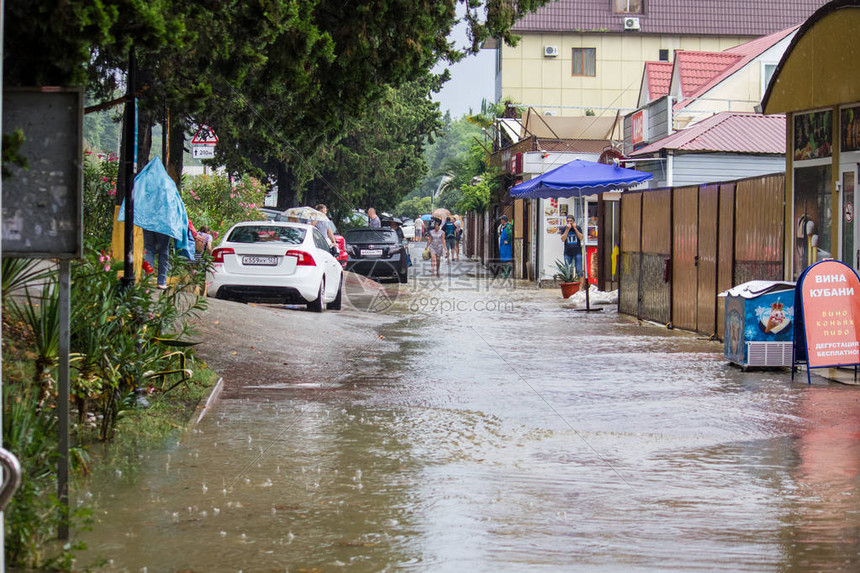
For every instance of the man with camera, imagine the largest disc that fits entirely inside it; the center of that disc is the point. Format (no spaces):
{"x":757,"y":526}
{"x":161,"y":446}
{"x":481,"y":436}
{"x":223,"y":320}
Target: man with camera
{"x":571,"y":236}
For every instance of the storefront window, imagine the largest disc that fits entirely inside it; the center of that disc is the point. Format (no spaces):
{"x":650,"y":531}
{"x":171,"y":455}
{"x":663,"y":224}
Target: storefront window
{"x":850,"y":129}
{"x":813,"y":135}
{"x":812,"y":216}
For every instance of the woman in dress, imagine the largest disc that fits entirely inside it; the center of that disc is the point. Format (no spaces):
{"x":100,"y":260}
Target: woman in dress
{"x":436,"y":244}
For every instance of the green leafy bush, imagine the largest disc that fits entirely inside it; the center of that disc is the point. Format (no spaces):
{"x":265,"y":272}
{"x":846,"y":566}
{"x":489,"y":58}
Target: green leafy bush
{"x":215,"y":201}
{"x":100,"y":176}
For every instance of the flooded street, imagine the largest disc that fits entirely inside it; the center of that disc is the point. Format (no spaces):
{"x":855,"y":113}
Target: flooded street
{"x":475,"y":424}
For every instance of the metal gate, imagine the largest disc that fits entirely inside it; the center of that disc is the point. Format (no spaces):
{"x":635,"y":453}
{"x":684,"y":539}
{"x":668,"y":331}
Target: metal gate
{"x":706,"y":262}
{"x":685,"y":245}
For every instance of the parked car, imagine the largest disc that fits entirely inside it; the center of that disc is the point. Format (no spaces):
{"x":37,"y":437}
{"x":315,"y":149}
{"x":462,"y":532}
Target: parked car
{"x":376,"y":253}
{"x":269,"y":213}
{"x":341,"y":250}
{"x":276,"y":261}
{"x":408,"y":229}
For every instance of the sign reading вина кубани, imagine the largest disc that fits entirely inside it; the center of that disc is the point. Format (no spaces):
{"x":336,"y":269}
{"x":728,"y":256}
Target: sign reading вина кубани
{"x":829,"y":297}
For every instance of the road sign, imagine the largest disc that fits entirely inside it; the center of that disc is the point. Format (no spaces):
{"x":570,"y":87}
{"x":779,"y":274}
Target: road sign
{"x":203,"y":151}
{"x":205,"y":136}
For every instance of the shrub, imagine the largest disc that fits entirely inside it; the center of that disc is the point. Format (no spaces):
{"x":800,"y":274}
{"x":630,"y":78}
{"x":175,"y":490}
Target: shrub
{"x":218,"y":202}
{"x":100,"y":176}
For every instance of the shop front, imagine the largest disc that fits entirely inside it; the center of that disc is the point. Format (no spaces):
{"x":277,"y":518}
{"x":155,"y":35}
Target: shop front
{"x":818,"y":88}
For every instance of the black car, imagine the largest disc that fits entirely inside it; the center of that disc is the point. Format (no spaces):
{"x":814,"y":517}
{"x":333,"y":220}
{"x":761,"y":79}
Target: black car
{"x":376,"y":253}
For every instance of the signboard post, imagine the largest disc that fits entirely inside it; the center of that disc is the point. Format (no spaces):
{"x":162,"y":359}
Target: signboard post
{"x":43,"y":215}
{"x":203,"y":143}
{"x":828,"y":303}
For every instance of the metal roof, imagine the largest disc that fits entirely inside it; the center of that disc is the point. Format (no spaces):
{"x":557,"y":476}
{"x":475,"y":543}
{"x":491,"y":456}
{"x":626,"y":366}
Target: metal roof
{"x":658,"y":76}
{"x":695,"y":69}
{"x":727,"y":132}
{"x":681,"y":17}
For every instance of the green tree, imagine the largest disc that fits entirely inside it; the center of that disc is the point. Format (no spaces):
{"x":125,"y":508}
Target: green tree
{"x":380,"y":159}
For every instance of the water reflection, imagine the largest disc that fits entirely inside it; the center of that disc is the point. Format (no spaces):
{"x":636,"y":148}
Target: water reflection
{"x":537,"y":438}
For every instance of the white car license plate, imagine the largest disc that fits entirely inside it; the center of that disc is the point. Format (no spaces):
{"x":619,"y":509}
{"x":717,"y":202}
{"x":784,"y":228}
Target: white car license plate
{"x":259,"y":260}
{"x":371,"y":252}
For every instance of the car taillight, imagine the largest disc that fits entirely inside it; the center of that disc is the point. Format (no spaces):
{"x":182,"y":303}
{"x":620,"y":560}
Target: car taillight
{"x":218,"y":254}
{"x":304,"y":259}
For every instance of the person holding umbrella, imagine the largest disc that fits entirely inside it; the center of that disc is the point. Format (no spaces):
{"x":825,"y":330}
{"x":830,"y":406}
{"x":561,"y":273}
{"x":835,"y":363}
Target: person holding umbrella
{"x":324,"y":225}
{"x":436,"y":246}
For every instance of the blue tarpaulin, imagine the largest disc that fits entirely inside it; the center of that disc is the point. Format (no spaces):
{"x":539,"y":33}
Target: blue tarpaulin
{"x":158,"y":206}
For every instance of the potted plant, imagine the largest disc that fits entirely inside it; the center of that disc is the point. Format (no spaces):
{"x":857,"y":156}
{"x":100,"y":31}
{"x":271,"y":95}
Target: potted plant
{"x":565,"y":275}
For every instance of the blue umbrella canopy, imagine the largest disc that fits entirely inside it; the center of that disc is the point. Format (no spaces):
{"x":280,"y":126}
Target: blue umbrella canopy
{"x":578,"y":179}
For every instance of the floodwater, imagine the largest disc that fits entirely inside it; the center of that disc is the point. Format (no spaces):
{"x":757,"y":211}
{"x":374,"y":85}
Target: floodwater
{"x":494,"y":428}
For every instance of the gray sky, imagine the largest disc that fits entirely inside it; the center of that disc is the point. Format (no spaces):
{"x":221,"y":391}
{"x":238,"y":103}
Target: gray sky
{"x":472,"y":78}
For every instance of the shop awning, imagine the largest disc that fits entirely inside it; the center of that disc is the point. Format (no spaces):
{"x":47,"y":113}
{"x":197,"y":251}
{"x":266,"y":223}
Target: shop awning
{"x":578,"y":179}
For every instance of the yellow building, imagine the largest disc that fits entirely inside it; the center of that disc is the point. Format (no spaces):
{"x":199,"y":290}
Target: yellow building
{"x":579,"y":55}
{"x":817,"y":86}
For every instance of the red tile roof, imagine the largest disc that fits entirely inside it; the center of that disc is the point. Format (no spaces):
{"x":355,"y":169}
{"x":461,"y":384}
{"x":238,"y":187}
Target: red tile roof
{"x":687,"y":17}
{"x":658,"y":78}
{"x":698,"y":80}
{"x":695,"y":69}
{"x":728,"y":132}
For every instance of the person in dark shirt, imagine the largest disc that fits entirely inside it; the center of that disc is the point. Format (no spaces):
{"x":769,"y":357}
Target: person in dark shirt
{"x":450,"y":237}
{"x":571,"y":236}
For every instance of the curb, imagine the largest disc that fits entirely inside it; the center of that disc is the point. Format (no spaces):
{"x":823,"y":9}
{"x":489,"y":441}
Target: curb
{"x":213,"y":396}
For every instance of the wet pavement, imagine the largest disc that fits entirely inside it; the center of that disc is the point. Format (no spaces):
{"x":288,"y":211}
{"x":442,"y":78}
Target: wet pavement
{"x":478,"y":424}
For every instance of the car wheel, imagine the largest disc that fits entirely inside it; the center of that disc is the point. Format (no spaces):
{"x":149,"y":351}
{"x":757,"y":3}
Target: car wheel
{"x":338,"y":300}
{"x":318,"y":305}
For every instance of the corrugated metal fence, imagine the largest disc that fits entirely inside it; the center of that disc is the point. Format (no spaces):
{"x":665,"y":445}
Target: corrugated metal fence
{"x":681,"y":246}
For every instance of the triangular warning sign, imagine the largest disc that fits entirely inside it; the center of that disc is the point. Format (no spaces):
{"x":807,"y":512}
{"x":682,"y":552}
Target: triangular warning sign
{"x":205,"y":135}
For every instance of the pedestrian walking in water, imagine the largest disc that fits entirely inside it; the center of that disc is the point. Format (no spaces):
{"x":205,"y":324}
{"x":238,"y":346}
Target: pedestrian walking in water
{"x":450,"y":238}
{"x":436,"y":244}
{"x":458,"y":235}
{"x":419,"y":229}
{"x":505,"y":247}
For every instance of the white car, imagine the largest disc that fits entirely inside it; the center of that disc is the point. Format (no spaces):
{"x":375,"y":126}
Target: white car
{"x":276,"y":261}
{"x":409,"y":230}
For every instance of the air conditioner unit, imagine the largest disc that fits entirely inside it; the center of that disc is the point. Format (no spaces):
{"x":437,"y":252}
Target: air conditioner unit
{"x":631,"y":23}
{"x":550,"y":51}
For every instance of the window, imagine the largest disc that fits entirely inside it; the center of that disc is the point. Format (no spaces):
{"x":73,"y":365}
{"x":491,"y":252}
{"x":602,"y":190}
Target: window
{"x":266,"y":234}
{"x":766,"y":75}
{"x":628,"y":6}
{"x":664,"y":55}
{"x":584,"y":61}
{"x":320,"y":241}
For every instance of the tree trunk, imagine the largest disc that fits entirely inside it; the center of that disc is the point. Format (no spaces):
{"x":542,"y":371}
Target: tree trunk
{"x":286,"y":188}
{"x":145,"y":121}
{"x":175,"y":147}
